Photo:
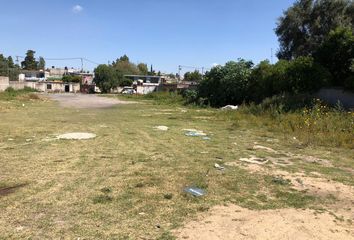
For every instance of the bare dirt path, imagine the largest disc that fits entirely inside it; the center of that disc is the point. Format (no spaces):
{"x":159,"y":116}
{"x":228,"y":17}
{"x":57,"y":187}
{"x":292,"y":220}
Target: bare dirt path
{"x":85,"y":100}
{"x":233,"y":222}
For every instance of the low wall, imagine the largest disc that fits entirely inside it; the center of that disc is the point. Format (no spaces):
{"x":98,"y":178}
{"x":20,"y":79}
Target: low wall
{"x":17,"y":85}
{"x":333,"y":95}
{"x":4,"y":83}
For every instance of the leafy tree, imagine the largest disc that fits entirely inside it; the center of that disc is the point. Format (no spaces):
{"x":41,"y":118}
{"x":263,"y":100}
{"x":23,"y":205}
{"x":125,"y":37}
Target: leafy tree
{"x":261,"y":82}
{"x":195,"y":76}
{"x":305,"y":25}
{"x":143,"y":68}
{"x":336,"y":54}
{"x":72,"y":78}
{"x":41,"y":64}
{"x":304,"y":75}
{"x":125,"y":67}
{"x":227,"y":84}
{"x":106,"y":78}
{"x":123,"y":58}
{"x":30,"y":62}
{"x":10,"y":62}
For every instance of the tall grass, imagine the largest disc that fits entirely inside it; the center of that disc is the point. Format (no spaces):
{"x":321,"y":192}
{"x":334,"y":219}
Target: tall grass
{"x":311,"y":121}
{"x":11,"y":94}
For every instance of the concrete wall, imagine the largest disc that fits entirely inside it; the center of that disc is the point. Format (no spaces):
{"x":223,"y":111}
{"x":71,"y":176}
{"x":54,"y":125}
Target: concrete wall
{"x":145,"y":89}
{"x":17,"y":85}
{"x":333,"y":95}
{"x":4,"y":83}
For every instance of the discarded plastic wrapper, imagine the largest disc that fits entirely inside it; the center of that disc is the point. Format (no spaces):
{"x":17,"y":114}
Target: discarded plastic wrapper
{"x":206,"y":138}
{"x":217,"y":166}
{"x":195,"y":134}
{"x":197,"y":192}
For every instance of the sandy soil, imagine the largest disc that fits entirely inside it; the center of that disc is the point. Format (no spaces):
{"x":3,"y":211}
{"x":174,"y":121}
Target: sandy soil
{"x":85,"y":100}
{"x":233,"y":222}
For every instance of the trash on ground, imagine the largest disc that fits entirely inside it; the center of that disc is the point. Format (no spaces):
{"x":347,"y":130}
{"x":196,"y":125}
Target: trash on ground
{"x":194,"y":133}
{"x":197,"y":192}
{"x":218,"y":167}
{"x":76,"y":136}
{"x":161,"y":128}
{"x":206,"y":138}
{"x":254,"y":160}
{"x":230,"y":107}
{"x":267,"y":149}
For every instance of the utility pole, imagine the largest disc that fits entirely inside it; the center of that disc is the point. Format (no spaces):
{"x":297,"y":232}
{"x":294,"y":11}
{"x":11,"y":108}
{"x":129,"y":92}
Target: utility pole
{"x":179,"y":72}
{"x":82,"y":64}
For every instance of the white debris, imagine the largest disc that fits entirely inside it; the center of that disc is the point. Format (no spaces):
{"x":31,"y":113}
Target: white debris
{"x":254,"y":160}
{"x":161,"y":128}
{"x":217,"y":166}
{"x":230,"y":107}
{"x":76,"y":136}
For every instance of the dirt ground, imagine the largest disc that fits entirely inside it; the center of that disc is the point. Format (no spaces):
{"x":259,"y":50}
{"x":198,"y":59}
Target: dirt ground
{"x":233,"y":222}
{"x":85,"y":100}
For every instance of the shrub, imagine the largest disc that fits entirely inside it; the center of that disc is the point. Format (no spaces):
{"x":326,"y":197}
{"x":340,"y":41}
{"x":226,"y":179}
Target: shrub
{"x":227,"y":84}
{"x":72,"y":78}
{"x":336,"y":54}
{"x":304,"y":75}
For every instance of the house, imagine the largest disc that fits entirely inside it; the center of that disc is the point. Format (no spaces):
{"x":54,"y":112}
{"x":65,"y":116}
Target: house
{"x":145,"y":84}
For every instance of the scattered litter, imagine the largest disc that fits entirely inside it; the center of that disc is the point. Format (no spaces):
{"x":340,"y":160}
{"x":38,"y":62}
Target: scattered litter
{"x":230,"y":107}
{"x":206,"y":138}
{"x":254,"y":160}
{"x":259,"y":147}
{"x":10,"y":139}
{"x":218,"y":167}
{"x":103,"y":126}
{"x":197,"y":192}
{"x":76,"y":136}
{"x":204,"y":152}
{"x":161,"y":128}
{"x":23,"y":104}
{"x":194,"y":133}
{"x":142,"y":213}
{"x":28,"y":140}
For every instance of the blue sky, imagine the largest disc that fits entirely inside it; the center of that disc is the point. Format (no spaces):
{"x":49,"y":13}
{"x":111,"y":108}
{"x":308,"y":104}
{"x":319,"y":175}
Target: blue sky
{"x":165,"y":33}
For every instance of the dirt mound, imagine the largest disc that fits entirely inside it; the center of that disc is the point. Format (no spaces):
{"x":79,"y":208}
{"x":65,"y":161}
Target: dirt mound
{"x":233,"y":222}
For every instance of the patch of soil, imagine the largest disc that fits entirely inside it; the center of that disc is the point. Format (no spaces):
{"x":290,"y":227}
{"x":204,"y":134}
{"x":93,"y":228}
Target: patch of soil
{"x":85,"y":100}
{"x":8,"y":190}
{"x":233,"y":222}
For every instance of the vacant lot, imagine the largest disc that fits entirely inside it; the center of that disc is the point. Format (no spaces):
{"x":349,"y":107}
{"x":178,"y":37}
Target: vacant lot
{"x":127,"y":183}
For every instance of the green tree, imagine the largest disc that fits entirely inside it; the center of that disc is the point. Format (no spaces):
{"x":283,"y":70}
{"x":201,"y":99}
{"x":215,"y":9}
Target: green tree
{"x":106,"y":78}
{"x":41,"y":64}
{"x":125,"y":67}
{"x":305,"y":25}
{"x":30,"y":62}
{"x":195,"y":76}
{"x":227,"y":84}
{"x":336,"y":54}
{"x":10,"y":62}
{"x":305,"y":75}
{"x":143,"y":68}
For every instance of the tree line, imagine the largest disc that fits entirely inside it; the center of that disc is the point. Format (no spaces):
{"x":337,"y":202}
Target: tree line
{"x":316,"y":50}
{"x":111,"y":76}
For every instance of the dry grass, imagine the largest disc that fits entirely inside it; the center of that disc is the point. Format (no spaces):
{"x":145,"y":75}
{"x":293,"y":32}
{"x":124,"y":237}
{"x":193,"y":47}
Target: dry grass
{"x":127,"y":183}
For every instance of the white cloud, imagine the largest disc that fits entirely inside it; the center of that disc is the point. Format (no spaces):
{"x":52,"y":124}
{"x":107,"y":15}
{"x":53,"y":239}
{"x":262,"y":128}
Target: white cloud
{"x":215,"y":64}
{"x":77,"y":9}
